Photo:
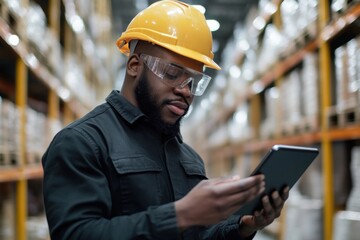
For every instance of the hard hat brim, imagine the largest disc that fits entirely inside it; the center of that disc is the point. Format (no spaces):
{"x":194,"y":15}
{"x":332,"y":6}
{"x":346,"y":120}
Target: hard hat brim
{"x":123,"y":46}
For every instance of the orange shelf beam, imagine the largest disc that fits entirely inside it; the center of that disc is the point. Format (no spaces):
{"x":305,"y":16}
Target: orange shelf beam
{"x":11,"y":174}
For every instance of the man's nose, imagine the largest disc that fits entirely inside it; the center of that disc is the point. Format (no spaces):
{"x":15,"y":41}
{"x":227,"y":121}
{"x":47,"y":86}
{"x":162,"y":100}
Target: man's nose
{"x":184,"y":89}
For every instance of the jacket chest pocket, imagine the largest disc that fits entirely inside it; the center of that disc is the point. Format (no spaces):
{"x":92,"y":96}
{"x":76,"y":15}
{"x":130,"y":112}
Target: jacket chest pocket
{"x":195,"y":172}
{"x":139,"y":183}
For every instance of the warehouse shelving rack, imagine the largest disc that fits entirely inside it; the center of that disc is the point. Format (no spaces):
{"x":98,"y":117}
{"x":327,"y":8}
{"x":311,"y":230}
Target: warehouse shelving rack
{"x":332,"y":32}
{"x":31,"y":83}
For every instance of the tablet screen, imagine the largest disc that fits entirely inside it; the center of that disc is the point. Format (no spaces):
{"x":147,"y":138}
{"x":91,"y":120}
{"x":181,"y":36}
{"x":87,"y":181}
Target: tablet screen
{"x":282,"y":166}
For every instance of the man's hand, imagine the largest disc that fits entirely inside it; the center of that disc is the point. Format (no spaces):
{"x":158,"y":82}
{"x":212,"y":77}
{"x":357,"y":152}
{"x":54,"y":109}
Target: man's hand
{"x":212,"y":201}
{"x":272,"y":209}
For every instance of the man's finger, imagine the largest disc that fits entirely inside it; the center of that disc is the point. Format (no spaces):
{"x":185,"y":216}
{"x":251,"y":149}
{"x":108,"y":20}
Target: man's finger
{"x":235,"y":186}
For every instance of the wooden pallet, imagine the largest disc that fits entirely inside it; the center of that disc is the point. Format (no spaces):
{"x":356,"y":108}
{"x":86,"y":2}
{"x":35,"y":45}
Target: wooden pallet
{"x":7,"y":158}
{"x":289,"y":129}
{"x":309,"y":124}
{"x":305,"y":125}
{"x":33,"y":157}
{"x":4,"y":156}
{"x":342,"y":117}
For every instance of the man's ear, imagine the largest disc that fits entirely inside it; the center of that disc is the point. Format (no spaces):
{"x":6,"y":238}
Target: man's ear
{"x":133,"y":66}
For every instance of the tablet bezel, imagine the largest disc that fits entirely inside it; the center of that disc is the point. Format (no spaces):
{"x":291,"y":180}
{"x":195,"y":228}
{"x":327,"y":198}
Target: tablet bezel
{"x":294,"y":160}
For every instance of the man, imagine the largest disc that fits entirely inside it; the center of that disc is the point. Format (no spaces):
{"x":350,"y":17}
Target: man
{"x":123,"y":171}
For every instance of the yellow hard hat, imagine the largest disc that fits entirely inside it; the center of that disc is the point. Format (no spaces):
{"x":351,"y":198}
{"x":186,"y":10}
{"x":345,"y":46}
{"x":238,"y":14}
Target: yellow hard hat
{"x":173,"y":25}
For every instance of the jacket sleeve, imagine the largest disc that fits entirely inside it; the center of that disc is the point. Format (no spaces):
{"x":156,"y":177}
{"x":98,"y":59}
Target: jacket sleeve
{"x":225,"y":230}
{"x":78,"y":201}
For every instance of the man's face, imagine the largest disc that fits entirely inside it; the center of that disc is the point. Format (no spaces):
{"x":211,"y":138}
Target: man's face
{"x":165,"y":104}
{"x":155,"y":103}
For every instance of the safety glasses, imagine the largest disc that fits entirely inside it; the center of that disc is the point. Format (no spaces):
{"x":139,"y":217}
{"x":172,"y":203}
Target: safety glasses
{"x":175,"y":75}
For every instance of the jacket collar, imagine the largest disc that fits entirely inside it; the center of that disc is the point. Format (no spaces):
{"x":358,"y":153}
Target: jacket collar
{"x":128,"y":111}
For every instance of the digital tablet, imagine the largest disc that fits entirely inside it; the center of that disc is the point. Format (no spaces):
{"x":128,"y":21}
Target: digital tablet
{"x":282,"y":166}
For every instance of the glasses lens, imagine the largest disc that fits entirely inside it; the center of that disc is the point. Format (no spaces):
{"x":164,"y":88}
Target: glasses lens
{"x":199,"y":85}
{"x":177,"y":76}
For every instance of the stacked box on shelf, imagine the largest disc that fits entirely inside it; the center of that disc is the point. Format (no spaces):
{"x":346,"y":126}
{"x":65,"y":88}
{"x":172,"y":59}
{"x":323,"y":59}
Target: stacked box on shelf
{"x":357,"y":61}
{"x":91,"y":26}
{"x":310,"y":98}
{"x":307,"y":21}
{"x":268,"y":128}
{"x":299,"y":22}
{"x":96,"y":20}
{"x":37,"y":228}
{"x":342,"y":181}
{"x":35,"y":135}
{"x":236,"y":87}
{"x":44,"y":46}
{"x":290,"y":93}
{"x":353,"y":49}
{"x":347,"y":222}
{"x":42,"y":39}
{"x":305,"y":200}
{"x":309,"y":225}
{"x":296,"y":16}
{"x":346,"y":109}
{"x":289,"y":10}
{"x":7,"y":212}
{"x":346,"y":225}
{"x":338,"y":7}
{"x":9,"y":139}
{"x":353,"y":202}
{"x":35,"y":28}
{"x":31,"y":27}
{"x":271,"y":47}
{"x":75,"y":79}
{"x":15,"y":8}
{"x":298,"y":109}
{"x":239,"y":129}
{"x":343,"y":95}
{"x":53,"y":127}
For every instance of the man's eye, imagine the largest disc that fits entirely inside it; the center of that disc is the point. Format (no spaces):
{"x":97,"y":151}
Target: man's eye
{"x":171,"y":76}
{"x":173,"y":73}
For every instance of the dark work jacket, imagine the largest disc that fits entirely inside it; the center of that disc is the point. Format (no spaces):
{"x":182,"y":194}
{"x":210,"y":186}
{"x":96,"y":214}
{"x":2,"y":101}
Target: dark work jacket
{"x":110,"y":175}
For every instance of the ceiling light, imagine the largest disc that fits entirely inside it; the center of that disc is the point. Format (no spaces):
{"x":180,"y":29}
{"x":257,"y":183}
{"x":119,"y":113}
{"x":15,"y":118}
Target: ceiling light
{"x":64,"y":93}
{"x":274,"y":93}
{"x":235,"y":72}
{"x":240,"y":117}
{"x":13,"y":40}
{"x":257,"y":87}
{"x":32,"y":61}
{"x":259,"y":23}
{"x":77,"y":24}
{"x":200,"y":8}
{"x":270,"y":8}
{"x":213,"y":24}
{"x":243,"y":45}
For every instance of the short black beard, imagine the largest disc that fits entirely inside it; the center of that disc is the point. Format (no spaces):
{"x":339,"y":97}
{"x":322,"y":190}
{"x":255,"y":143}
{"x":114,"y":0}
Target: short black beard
{"x":148,"y":106}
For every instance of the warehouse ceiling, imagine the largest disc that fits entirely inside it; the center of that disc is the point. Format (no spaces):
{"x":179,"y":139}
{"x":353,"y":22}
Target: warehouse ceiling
{"x":226,"y":12}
